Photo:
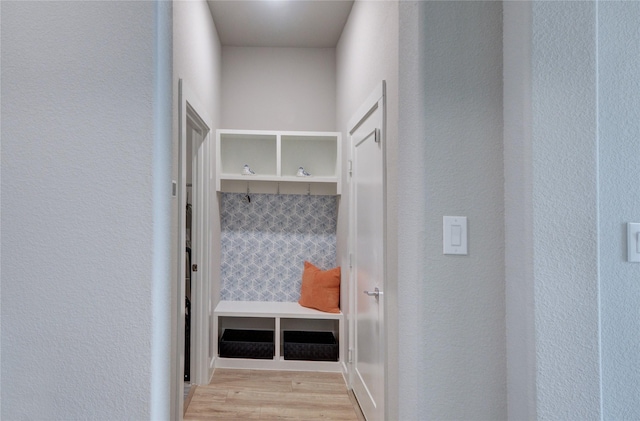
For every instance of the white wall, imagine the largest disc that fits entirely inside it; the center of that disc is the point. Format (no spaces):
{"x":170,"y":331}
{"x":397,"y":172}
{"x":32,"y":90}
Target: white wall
{"x":366,"y":54}
{"x":267,"y":88}
{"x":564,"y":138}
{"x":553,"y":162}
{"x":518,"y":197}
{"x":85,"y":180}
{"x":451,"y":309}
{"x":619,"y":203}
{"x":572,"y":80}
{"x":197,"y":54}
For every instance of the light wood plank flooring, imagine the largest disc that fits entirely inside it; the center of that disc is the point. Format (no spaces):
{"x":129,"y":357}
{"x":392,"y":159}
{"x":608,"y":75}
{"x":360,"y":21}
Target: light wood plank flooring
{"x":269,"y":395}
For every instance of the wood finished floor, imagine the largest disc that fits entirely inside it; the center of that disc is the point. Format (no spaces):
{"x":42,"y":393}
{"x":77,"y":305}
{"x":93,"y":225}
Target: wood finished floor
{"x":273,"y":395}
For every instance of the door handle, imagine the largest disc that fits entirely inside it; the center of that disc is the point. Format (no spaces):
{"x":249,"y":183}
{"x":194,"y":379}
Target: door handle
{"x":375,"y":293}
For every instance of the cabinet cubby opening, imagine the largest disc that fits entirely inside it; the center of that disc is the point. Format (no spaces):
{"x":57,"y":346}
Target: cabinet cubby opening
{"x":257,"y":151}
{"x":317,"y":154}
{"x":307,"y":325}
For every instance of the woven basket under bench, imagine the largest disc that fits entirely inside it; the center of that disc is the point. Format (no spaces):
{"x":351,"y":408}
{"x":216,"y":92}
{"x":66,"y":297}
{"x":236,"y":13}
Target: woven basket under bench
{"x":310,"y":346}
{"x":240,"y":343}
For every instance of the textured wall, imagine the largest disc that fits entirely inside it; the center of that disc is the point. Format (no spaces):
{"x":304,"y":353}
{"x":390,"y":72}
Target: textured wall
{"x":267,"y":88}
{"x":411,"y":228}
{"x":266,"y":241}
{"x":452,"y":311}
{"x":619,"y":169}
{"x":78,"y":228}
{"x":366,"y":54}
{"x":579,"y":171}
{"x":564,"y":160}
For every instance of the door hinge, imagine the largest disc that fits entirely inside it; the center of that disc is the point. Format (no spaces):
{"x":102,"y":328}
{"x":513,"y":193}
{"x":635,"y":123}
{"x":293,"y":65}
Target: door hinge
{"x":350,"y":260}
{"x":350,"y":359}
{"x":194,"y":267}
{"x":378,"y":135}
{"x":350,"y":168}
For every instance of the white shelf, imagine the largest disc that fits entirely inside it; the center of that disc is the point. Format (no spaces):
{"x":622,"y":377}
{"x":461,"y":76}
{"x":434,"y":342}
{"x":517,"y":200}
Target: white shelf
{"x":312,"y":179}
{"x":283,"y":310}
{"x":249,"y":178}
{"x":279,"y":364}
{"x":275,"y":157}
{"x":281,"y":316}
{"x":293,"y":179}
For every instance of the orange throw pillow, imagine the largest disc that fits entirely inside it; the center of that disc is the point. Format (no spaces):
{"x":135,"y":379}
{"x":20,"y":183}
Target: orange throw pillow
{"x":320,"y":289}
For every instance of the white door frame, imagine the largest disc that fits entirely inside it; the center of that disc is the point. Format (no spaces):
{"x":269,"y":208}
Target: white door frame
{"x":200,"y":285}
{"x":190,"y":108}
{"x":373,"y":101}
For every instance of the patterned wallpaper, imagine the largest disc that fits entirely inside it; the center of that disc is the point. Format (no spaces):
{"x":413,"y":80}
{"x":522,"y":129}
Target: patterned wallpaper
{"x":266,"y":241}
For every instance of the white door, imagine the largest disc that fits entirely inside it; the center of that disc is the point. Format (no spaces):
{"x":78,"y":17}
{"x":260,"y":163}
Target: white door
{"x":368,"y":256}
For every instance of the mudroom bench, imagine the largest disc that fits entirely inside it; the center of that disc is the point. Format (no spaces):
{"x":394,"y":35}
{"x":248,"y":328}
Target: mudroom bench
{"x":281,"y":318}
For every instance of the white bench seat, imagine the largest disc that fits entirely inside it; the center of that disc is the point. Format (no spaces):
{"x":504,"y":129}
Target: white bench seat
{"x":271,"y":309}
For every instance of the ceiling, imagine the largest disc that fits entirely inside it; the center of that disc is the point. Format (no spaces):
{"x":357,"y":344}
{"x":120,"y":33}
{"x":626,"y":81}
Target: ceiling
{"x":280,"y":23}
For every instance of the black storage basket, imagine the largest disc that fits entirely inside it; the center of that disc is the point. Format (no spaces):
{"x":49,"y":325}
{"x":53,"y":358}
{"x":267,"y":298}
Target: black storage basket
{"x":236,"y":343}
{"x":310,"y":346}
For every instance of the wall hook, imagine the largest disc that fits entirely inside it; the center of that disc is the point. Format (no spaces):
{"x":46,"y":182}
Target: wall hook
{"x":247,"y":197}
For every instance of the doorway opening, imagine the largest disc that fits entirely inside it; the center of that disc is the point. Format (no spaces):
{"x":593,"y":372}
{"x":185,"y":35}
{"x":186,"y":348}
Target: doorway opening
{"x":368,"y":255}
{"x":193,"y":300}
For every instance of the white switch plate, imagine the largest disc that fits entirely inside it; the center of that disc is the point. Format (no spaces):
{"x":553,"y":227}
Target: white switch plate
{"x":454,"y":234}
{"x":633,"y":242}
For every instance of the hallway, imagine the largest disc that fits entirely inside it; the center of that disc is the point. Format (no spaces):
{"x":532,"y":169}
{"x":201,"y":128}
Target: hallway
{"x":253,"y":394}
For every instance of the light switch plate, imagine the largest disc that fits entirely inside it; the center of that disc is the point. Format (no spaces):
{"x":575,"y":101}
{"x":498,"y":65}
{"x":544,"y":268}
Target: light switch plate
{"x":633,"y":242}
{"x":454,"y":234}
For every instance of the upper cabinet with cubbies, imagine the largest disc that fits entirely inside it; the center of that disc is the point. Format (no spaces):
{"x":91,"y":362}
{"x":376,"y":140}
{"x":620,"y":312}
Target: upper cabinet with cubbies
{"x":275,"y":158}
